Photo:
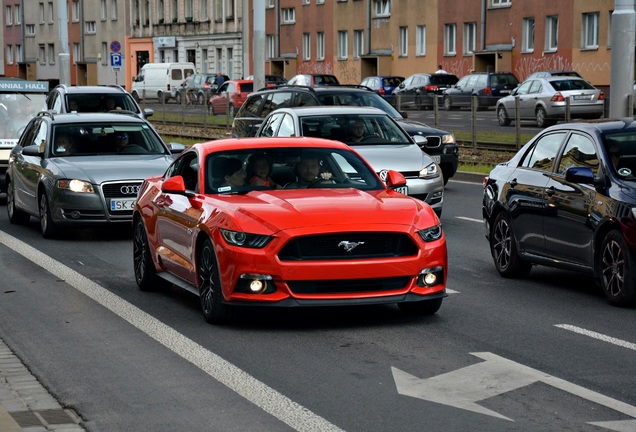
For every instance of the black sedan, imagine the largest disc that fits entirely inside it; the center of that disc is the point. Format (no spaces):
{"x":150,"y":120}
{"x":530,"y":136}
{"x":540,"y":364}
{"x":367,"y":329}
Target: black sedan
{"x":567,"y":199}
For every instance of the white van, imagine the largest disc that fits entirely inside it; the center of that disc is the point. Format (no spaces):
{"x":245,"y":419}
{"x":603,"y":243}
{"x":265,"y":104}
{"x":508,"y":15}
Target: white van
{"x":160,"y":80}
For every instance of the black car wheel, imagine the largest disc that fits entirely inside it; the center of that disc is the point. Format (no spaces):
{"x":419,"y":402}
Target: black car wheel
{"x":616,"y":270}
{"x":47,"y":226}
{"x":200,"y":99}
{"x":427,"y":307}
{"x":502,"y":116}
{"x":504,"y":249}
{"x":145,"y":273}
{"x":16,"y":216}
{"x":448,"y":104}
{"x":214,"y":310}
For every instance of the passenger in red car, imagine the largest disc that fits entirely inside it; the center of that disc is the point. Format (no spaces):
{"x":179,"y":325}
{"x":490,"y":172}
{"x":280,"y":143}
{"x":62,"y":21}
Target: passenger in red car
{"x":233,"y":173}
{"x":259,"y":168}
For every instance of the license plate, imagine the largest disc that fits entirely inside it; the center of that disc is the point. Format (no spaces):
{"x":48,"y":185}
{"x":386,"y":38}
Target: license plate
{"x":436,"y":158}
{"x":582,"y":97}
{"x":402,"y":189}
{"x":504,"y":91}
{"x":122,"y":204}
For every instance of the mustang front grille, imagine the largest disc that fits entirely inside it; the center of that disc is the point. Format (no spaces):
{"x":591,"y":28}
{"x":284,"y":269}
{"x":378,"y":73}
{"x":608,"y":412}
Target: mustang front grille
{"x":348,"y":285}
{"x":348,"y":246}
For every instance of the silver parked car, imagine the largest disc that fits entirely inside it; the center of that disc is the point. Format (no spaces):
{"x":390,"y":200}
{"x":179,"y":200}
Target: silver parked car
{"x":543,"y":100}
{"x":372,"y":133}
{"x":82,"y":169}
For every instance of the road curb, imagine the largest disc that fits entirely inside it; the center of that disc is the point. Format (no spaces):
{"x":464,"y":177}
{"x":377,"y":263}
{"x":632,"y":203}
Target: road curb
{"x":469,"y":177}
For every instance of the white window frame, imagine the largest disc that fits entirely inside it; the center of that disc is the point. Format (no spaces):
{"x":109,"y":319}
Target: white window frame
{"x":51,"y":53}
{"x":203,"y":10}
{"x":382,"y":8}
{"x":591,"y":30}
{"x":76,"y":53}
{"x":343,"y":44}
{"x":8,"y":15}
{"x":75,"y":11}
{"x":288,"y":16}
{"x":609,"y":30}
{"x":358,"y":43}
{"x":102,"y":10}
{"x":450,"y":39}
{"x":114,"y":13}
{"x":18,"y":53}
{"x":41,"y":13}
{"x":271,"y":46}
{"x":551,"y":33}
{"x":17,"y":19}
{"x":306,"y":2}
{"x":320,"y":2}
{"x":501,"y":3}
{"x":90,"y":27}
{"x":9,"y":54}
{"x":527,"y":35}
{"x":470,"y":38}
{"x":42,"y":54}
{"x":270,"y":4}
{"x":403,"y":45}
{"x":51,"y":13}
{"x":420,"y":40}
{"x":306,"y":46}
{"x":29,"y":30}
{"x":320,"y":46}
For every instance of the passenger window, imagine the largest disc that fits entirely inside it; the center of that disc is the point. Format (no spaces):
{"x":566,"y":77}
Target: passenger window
{"x":253,"y":104}
{"x":286,"y":127}
{"x":579,"y":151}
{"x":542,"y":154}
{"x":270,"y":128}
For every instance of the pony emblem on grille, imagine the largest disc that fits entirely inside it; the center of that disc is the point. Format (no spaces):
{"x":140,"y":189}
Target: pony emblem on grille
{"x":349,"y":246}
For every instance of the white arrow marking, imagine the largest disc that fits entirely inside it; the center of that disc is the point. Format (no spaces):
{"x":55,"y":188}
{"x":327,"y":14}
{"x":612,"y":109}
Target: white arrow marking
{"x":464,"y":388}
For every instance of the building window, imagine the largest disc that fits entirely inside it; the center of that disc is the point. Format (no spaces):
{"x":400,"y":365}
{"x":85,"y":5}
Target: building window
{"x":41,"y":13}
{"x":9,"y":54}
{"x":450,"y":39}
{"x":420,"y":40}
{"x":590,"y":30}
{"x":174,"y":10}
{"x":18,"y":14}
{"x":609,"y":30}
{"x":219,"y":59}
{"x":189,"y":8}
{"x":51,"y":54}
{"x":382,"y":8}
{"x":75,"y":11}
{"x":470,"y":38}
{"x":76,"y":53}
{"x":90,"y":27}
{"x":105,"y":53}
{"x":358,"y":43}
{"x":404,"y":42}
{"x":289,"y":15}
{"x":320,"y":46}
{"x":30,"y":29}
{"x":102,"y":10}
{"x":229,"y":9}
{"x":230,"y":61}
{"x":271,"y":46}
{"x":42,"y":54}
{"x":306,"y":46}
{"x":51,"y":15}
{"x":270,"y":4}
{"x":18,"y":53}
{"x":113,"y":10}
{"x":203,"y":11}
{"x":498,"y":3}
{"x":306,"y":2}
{"x":8,"y":15}
{"x":527,"y":37}
{"x":551,"y":33}
{"x":320,"y":1}
{"x":343,"y":44}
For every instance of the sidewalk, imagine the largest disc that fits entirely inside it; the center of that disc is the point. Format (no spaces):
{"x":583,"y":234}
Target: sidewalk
{"x":25,"y":405}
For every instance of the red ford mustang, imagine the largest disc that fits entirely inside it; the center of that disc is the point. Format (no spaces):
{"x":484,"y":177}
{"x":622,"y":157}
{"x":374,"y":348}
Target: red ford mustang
{"x":287,"y":222}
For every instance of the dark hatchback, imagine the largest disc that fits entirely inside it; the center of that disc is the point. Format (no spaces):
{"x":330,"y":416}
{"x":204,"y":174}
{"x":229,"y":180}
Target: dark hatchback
{"x":483,"y":89}
{"x":440,"y":145}
{"x":567,"y":199}
{"x":420,"y":90}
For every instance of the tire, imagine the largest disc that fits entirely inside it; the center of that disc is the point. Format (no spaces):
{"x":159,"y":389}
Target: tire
{"x":503,"y":248}
{"x":616,"y":270}
{"x":214,"y":310}
{"x":145,"y":272}
{"x":502,"y":116}
{"x":448,"y":104}
{"x":48,"y":228}
{"x":16,"y":216}
{"x":421,"y":308}
{"x":542,"y":118}
{"x":200,"y":99}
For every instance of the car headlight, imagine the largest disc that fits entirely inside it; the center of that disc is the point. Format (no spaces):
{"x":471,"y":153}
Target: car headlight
{"x":75,"y":185}
{"x":429,"y":171}
{"x":239,"y":238}
{"x":431,"y":234}
{"x":448,"y":139}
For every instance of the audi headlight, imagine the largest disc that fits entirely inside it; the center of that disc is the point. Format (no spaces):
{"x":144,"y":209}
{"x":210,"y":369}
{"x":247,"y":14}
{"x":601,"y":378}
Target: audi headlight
{"x":239,"y":238}
{"x":448,"y":139}
{"x":75,"y":185}
{"x":429,"y":171}
{"x":431,"y":234}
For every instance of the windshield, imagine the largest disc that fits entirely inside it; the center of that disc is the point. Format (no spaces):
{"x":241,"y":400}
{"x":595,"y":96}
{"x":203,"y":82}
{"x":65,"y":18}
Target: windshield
{"x":101,"y":102}
{"x":99,"y":139}
{"x":354,"y":129}
{"x":242,"y":171}
{"x":360,"y":98}
{"x":16,"y":110}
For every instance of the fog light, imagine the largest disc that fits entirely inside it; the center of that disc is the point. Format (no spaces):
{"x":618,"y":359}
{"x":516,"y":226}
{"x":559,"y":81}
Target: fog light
{"x":75,"y":214}
{"x":431,"y":277}
{"x":257,"y":286}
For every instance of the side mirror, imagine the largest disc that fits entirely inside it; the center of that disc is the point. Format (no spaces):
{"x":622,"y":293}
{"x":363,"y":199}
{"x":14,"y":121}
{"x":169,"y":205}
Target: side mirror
{"x":583,"y":175}
{"x":174,"y":185}
{"x":33,"y":150}
{"x":176,"y":148}
{"x":394,"y":179}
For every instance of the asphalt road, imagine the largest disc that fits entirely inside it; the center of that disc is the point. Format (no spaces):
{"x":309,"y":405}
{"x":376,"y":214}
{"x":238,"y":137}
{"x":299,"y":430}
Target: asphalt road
{"x":541,"y":354}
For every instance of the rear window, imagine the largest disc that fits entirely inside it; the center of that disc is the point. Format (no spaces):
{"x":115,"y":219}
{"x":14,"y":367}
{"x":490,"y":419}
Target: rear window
{"x":503,"y":79}
{"x":325,"y":80}
{"x":246,"y":88}
{"x":446,"y":79}
{"x":565,"y":85}
{"x":392,"y":81}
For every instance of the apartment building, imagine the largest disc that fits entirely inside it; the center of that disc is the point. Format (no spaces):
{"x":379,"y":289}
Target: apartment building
{"x":348,"y":38}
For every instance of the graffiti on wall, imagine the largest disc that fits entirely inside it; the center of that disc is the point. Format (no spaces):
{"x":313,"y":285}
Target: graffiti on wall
{"x":459,"y":67}
{"x":348,"y":72}
{"x":529,"y":65}
{"x":314,"y":67}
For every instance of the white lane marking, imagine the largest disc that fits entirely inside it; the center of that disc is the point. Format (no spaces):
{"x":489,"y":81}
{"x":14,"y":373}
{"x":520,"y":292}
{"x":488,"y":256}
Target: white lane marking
{"x":469,"y":219}
{"x":599,"y":336}
{"x":263,"y":396}
{"x":464,"y":388}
